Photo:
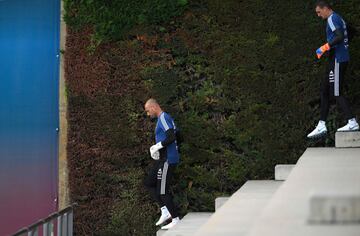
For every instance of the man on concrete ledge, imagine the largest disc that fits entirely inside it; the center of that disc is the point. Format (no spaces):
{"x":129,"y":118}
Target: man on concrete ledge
{"x":166,"y":156}
{"x":332,"y":85}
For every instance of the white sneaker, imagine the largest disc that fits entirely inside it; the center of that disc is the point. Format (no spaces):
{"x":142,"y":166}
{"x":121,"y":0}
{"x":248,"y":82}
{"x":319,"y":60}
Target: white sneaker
{"x":320,"y":130}
{"x":352,"y":125}
{"x":165,"y":215}
{"x":174,"y":222}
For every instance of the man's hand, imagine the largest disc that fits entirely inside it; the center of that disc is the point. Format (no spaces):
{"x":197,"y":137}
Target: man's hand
{"x":155,"y":148}
{"x":321,"y":50}
{"x":155,"y":155}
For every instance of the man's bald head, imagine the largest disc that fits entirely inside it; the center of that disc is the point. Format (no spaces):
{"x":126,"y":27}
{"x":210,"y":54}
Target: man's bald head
{"x":152,"y":108}
{"x":151,"y":101}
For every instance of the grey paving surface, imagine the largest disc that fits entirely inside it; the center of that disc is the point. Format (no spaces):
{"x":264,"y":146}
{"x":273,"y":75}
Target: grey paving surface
{"x":236,"y":216}
{"x":318,"y":171}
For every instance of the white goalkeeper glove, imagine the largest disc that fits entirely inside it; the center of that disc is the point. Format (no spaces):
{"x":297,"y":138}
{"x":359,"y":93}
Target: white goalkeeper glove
{"x":155,"y":148}
{"x":155,"y":155}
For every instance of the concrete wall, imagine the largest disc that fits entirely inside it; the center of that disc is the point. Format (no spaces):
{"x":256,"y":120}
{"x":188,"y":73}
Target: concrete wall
{"x":64,"y":198}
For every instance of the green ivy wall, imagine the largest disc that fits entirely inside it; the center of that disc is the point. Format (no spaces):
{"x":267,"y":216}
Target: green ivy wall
{"x":239,"y":77}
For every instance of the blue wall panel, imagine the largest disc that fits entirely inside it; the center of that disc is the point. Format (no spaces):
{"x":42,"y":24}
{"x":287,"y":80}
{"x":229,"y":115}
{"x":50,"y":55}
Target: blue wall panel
{"x":29,"y":69}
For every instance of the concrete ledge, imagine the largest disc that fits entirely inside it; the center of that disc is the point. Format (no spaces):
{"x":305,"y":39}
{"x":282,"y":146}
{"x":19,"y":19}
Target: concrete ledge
{"x":318,"y":171}
{"x":347,"y":139}
{"x":220,"y":201}
{"x":283,"y":171}
{"x":160,"y":232}
{"x":335,"y":208}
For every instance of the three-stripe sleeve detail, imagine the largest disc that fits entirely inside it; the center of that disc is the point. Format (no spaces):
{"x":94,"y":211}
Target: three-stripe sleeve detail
{"x":163,"y":121}
{"x":331,"y":23}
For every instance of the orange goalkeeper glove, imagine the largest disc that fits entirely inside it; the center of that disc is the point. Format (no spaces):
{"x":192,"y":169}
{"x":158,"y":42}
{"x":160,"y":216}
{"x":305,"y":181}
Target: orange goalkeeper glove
{"x":321,"y":50}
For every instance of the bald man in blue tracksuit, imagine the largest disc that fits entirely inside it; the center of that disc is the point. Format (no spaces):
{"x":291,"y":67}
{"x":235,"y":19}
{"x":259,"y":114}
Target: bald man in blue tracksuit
{"x":332,"y":85}
{"x":166,"y":156}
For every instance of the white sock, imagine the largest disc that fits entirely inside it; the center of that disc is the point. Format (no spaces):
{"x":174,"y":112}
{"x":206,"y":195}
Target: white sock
{"x":175,"y":219}
{"x":321,"y":122}
{"x":164,"y":211}
{"x":352,"y":120}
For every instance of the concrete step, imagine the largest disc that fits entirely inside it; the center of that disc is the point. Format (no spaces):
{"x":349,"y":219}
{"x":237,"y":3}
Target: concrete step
{"x":238,"y":213}
{"x":318,"y":196}
{"x":160,"y":232}
{"x":347,"y":139}
{"x":283,"y":171}
{"x":188,"y":224}
{"x":220,"y":201}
